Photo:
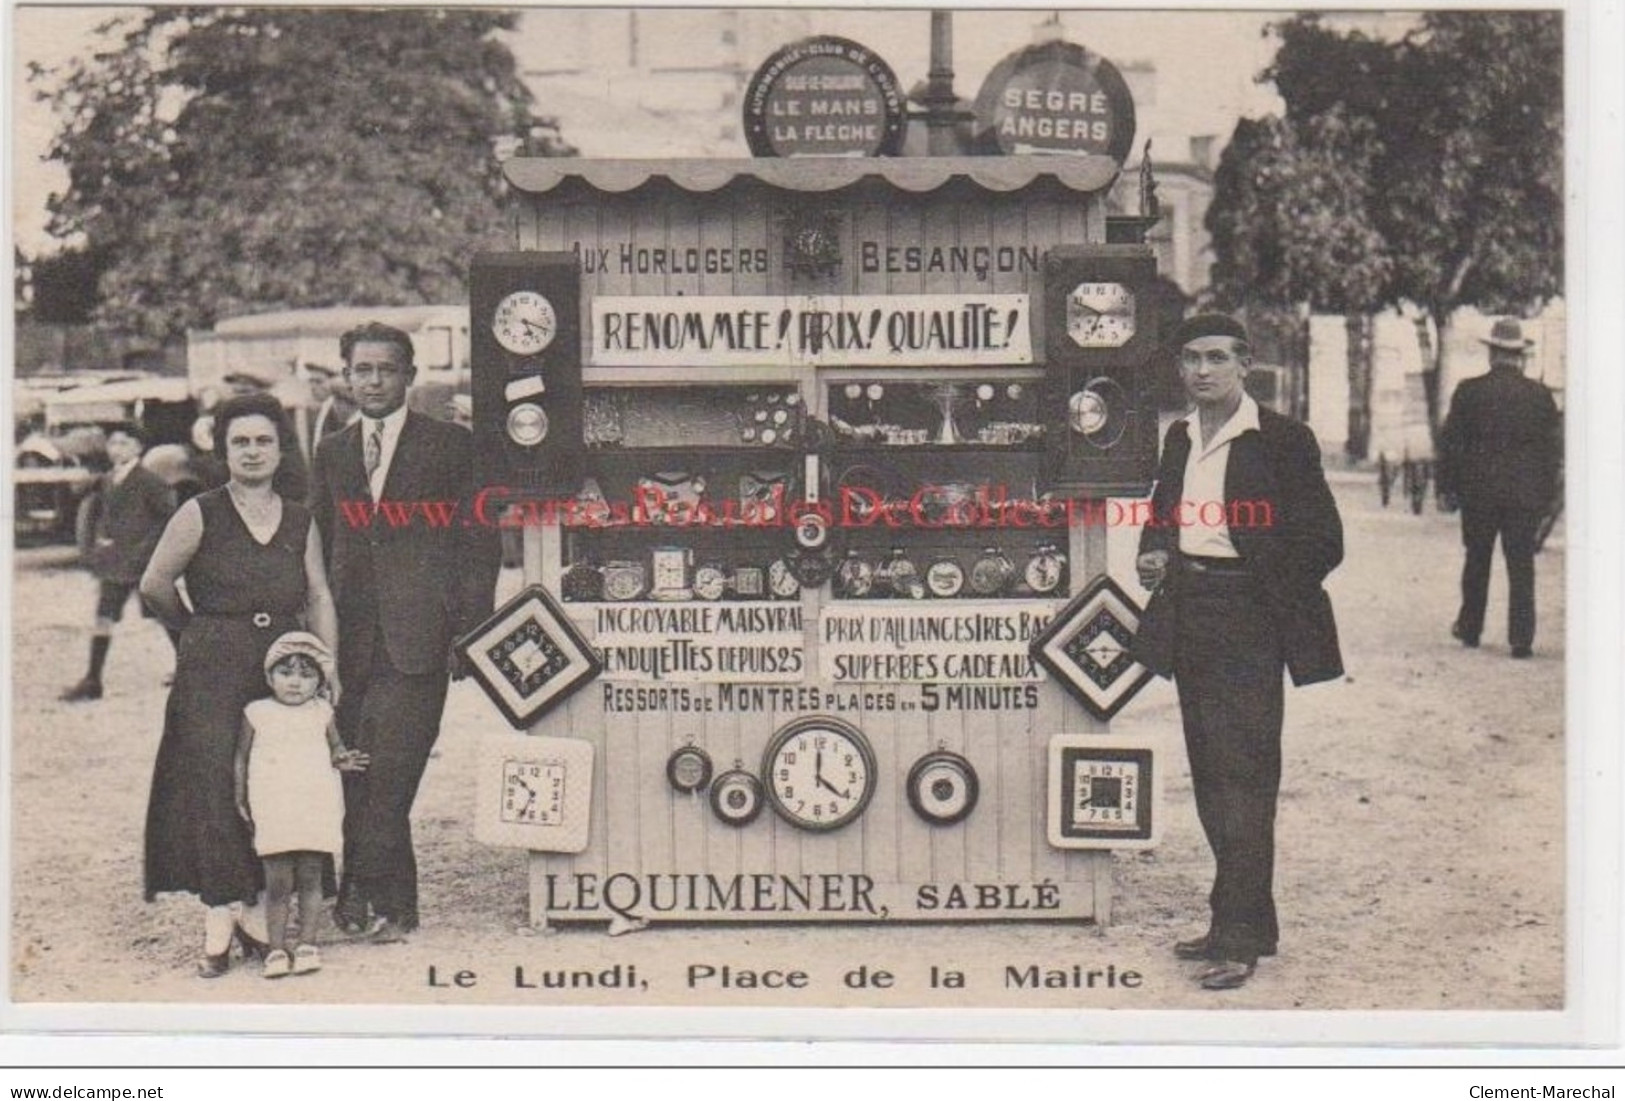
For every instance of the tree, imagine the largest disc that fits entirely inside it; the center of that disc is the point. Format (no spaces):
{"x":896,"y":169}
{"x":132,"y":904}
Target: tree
{"x":1453,"y":191}
{"x":223,"y":161}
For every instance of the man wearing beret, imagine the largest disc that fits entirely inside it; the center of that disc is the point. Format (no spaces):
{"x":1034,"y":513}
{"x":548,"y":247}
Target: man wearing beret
{"x":1233,"y":605}
{"x":1498,"y":457}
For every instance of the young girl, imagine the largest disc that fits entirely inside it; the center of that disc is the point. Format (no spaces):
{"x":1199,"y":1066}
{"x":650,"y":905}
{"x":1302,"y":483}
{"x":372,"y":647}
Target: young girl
{"x":288,"y":761}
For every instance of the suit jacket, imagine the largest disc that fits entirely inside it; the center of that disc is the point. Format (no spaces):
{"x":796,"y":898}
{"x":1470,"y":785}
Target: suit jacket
{"x":126,"y":520}
{"x":1289,"y":556}
{"x":421,"y":584}
{"x":1501,"y":443}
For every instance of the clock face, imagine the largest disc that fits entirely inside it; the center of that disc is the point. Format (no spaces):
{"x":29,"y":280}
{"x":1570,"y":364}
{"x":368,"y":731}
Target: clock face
{"x":736,"y":797}
{"x":710,"y":582}
{"x":1043,"y":572}
{"x":623,"y":580}
{"x":857,"y":577}
{"x":990,"y":574}
{"x":945,"y":578}
{"x":524,"y":323}
{"x":1101,"y":315}
{"x":689,"y":769}
{"x":1105,"y":794}
{"x":820,"y":773}
{"x":533,"y":792}
{"x":782,"y":581}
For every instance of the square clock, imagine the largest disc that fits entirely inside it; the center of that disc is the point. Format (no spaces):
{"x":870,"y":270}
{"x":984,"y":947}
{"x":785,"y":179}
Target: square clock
{"x":533,"y":792}
{"x":529,"y":657}
{"x":1086,"y":647}
{"x":1104,"y":792}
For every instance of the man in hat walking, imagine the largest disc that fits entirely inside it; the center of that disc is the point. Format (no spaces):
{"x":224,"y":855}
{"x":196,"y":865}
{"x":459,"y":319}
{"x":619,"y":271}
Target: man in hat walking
{"x":1234,"y":604}
{"x":1499,"y":455}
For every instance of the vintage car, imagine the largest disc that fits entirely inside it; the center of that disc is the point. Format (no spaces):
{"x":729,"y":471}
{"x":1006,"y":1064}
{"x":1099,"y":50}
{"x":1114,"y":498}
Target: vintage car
{"x":63,"y":449}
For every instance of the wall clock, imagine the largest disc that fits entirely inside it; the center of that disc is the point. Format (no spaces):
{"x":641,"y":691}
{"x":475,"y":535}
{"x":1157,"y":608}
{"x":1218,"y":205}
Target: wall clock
{"x":819,"y":772}
{"x":529,"y":657}
{"x":533,"y":793}
{"x":1101,"y":315}
{"x":1087,"y":646}
{"x":736,"y":797}
{"x":524,"y":323}
{"x":942,"y":788}
{"x":1102,"y":792}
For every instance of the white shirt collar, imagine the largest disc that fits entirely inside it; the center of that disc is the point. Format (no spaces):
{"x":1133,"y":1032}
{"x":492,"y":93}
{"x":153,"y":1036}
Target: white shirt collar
{"x":392,"y":422}
{"x":1244,"y":419}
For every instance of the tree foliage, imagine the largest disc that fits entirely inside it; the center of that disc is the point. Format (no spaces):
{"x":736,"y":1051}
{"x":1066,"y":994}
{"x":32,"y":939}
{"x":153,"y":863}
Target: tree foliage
{"x":1425,"y":172}
{"x":223,"y":161}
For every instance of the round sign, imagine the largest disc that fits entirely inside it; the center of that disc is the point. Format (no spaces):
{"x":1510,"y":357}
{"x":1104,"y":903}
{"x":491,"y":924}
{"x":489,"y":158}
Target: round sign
{"x":1056,"y":98}
{"x":824,"y":97}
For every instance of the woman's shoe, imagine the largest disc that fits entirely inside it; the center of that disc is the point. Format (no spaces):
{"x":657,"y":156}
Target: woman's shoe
{"x":212,"y":967}
{"x":277,"y":964}
{"x":306,"y":958}
{"x":253,"y":948}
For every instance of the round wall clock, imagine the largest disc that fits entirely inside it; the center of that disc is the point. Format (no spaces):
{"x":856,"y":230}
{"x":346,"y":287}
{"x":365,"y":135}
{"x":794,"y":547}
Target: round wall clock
{"x":524,"y":323}
{"x":1101,"y":315}
{"x":688,"y":769}
{"x":942,"y":788}
{"x":820,"y":773}
{"x":736,"y":797}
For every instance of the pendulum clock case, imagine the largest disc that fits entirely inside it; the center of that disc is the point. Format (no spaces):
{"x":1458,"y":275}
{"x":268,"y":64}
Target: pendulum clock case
{"x":803,"y":452}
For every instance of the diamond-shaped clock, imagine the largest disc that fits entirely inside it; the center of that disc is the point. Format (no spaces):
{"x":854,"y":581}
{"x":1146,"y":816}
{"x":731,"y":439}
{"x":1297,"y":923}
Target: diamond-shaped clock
{"x":1087,"y":648}
{"x":529,"y":657}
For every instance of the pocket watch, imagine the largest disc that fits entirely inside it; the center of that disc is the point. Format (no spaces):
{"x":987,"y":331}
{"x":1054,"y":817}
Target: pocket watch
{"x":710,"y":582}
{"x":944,"y":578}
{"x":623,"y":580}
{"x":1043,"y":570}
{"x":736,"y":797}
{"x":991,"y":573}
{"x":820,"y":773}
{"x":942,"y":788}
{"x":855,"y":577}
{"x":782,"y":580}
{"x":688,"y":769}
{"x":903,"y":575}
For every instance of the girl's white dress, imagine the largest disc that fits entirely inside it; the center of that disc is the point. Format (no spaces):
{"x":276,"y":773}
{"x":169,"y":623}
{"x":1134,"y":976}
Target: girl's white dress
{"x":294,"y":792}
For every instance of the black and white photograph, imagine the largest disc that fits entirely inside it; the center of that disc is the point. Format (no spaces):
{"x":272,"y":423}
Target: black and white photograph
{"x":756,"y":509}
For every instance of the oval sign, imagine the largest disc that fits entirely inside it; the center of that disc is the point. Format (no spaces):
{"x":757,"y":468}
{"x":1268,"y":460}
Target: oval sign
{"x":824,"y":97}
{"x":1056,"y":97}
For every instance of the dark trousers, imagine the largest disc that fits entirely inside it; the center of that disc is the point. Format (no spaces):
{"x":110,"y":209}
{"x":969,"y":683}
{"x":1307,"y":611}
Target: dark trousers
{"x":1516,"y":526}
{"x":1228,"y":667}
{"x":394,"y":718}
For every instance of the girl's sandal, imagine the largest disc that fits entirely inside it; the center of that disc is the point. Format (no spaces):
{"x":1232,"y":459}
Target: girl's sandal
{"x":277,"y":964}
{"x":306,"y":958}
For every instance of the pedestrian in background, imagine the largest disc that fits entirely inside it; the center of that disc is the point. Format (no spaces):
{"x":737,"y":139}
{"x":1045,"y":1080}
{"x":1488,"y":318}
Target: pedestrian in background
{"x":1499,"y":455}
{"x":125,"y":515}
{"x":1231,"y":608}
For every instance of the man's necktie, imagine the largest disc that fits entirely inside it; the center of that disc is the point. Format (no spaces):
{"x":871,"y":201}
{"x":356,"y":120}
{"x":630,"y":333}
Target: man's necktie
{"x":375,"y":448}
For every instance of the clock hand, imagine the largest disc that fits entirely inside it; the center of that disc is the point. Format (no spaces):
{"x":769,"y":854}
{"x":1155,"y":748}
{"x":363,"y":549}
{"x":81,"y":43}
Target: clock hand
{"x":520,"y":780}
{"x":529,"y":324}
{"x":823,"y":783}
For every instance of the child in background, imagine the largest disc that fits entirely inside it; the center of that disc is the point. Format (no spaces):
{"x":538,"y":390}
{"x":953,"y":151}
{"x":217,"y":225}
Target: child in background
{"x":287,"y":767}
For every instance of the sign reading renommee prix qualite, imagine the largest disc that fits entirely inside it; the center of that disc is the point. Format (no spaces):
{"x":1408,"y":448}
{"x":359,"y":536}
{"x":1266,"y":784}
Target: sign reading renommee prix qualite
{"x":824,"y":97}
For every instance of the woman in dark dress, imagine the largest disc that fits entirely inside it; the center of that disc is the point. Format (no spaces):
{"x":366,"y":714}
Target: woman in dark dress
{"x":252,"y":566}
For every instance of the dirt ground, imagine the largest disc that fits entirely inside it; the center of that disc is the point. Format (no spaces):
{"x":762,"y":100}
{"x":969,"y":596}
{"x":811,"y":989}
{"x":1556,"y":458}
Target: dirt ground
{"x":1420,"y":839}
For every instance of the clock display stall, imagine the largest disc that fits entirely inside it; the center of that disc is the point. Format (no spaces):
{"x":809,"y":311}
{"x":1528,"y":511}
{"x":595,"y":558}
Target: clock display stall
{"x":825,"y":408}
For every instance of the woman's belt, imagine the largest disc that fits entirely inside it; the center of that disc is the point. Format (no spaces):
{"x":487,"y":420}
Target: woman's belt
{"x":262,"y":620}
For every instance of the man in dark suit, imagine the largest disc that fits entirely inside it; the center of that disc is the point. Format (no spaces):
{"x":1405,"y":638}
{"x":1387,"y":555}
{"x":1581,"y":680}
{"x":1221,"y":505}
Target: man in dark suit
{"x":1243,"y":531}
{"x":404,"y":592}
{"x":1498,"y":458}
{"x":125,"y":515}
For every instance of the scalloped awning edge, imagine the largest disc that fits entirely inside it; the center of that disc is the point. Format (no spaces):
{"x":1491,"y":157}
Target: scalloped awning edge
{"x":1087,"y":174}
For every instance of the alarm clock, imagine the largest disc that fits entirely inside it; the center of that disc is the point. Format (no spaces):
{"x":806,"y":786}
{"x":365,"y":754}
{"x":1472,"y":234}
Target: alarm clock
{"x":668,"y":574}
{"x":782,"y":581}
{"x":1043,"y":570}
{"x":820,"y":773}
{"x":710,"y":582}
{"x":688,"y":769}
{"x":903,"y":575}
{"x":736,"y":797}
{"x":944,"y":578}
{"x":856,"y":577}
{"x":942,"y":788}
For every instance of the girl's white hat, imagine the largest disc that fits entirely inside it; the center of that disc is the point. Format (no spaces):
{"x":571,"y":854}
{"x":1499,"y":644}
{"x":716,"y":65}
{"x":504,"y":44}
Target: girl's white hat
{"x":301,"y":642}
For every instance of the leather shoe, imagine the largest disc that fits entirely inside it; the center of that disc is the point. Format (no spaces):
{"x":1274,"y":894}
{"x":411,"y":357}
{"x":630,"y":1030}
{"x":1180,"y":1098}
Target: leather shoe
{"x":212,"y":967}
{"x":88,"y":689}
{"x":385,"y":931}
{"x":1522,"y":652}
{"x":1469,"y":641}
{"x":1226,"y":974}
{"x":350,"y":913}
{"x":1202,"y":948}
